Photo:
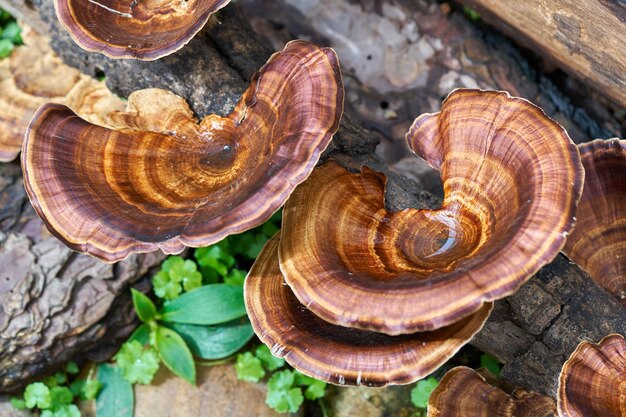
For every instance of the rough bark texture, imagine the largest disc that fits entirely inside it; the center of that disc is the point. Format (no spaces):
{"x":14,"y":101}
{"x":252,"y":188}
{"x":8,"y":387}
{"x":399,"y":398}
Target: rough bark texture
{"x":55,"y":305}
{"x":532,"y":331}
{"x":586,"y":38}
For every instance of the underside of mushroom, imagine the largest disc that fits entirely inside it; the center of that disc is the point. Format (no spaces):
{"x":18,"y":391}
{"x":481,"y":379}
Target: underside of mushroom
{"x":34,"y":75}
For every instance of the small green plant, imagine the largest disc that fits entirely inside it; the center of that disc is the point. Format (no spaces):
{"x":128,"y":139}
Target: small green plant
{"x":422,"y":390}
{"x":55,"y":396}
{"x":471,"y":14}
{"x":10,"y":34}
{"x":286,"y":387}
{"x":490,"y":363}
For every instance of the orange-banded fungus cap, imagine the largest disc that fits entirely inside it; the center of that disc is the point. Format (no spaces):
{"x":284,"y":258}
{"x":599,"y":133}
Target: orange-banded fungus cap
{"x":512,"y":178}
{"x":160,"y":180}
{"x":598,"y":242}
{"x":34,"y":75}
{"x":145,"y":30}
{"x":342,"y":355}
{"x":462,"y":392}
{"x":593,"y":380}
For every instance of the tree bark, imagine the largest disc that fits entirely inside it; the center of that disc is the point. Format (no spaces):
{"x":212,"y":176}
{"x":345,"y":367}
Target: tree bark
{"x":532,"y":332}
{"x":586,"y":38}
{"x":55,"y":305}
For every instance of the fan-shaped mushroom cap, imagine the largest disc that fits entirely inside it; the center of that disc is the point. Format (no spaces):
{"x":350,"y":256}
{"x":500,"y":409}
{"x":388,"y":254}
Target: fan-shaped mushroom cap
{"x":160,"y":180}
{"x":34,"y":75}
{"x":598,"y":242}
{"x":342,"y":355}
{"x":145,"y":30}
{"x":462,"y":392}
{"x":511,"y":179}
{"x":593,"y":380}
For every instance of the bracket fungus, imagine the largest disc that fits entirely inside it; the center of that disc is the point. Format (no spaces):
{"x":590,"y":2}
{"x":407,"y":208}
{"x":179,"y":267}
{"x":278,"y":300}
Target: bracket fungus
{"x":463,"y":392}
{"x":34,"y":75}
{"x":160,"y":180}
{"x":593,"y":380}
{"x":511,"y":178}
{"x":145,"y":30}
{"x":343,"y":355}
{"x":598,"y":242}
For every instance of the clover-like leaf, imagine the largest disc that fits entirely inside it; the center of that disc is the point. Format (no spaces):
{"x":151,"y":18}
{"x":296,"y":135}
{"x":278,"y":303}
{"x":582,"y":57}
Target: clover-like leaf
{"x":422,"y":391}
{"x":37,"y":394}
{"x":281,"y":395}
{"x":137,"y":364}
{"x":269,"y":361}
{"x":249,"y":367}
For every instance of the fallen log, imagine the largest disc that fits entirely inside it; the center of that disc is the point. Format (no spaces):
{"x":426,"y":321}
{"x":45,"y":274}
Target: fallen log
{"x":585,"y":38}
{"x":212,"y":71}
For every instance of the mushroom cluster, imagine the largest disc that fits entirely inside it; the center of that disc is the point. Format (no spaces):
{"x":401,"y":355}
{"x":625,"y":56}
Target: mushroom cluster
{"x":463,"y":392}
{"x":34,"y":75}
{"x":592,"y":384}
{"x":145,"y":30}
{"x":602,"y":216}
{"x":358,"y":275}
{"x":155,"y":178}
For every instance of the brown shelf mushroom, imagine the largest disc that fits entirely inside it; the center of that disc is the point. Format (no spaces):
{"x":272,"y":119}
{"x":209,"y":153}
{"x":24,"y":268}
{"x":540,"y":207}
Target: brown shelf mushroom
{"x":145,"y":30}
{"x":511,"y":177}
{"x":34,"y":75}
{"x":593,"y":380}
{"x":342,"y":355}
{"x":462,"y":392}
{"x":160,"y":180}
{"x":598,"y":242}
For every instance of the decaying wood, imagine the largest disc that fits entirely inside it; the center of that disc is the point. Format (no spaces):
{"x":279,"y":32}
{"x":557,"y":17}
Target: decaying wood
{"x":55,"y":305}
{"x":532,"y":331}
{"x":585,"y":38}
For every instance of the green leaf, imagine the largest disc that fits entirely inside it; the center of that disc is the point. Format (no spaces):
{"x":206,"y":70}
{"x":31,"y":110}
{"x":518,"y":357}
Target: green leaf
{"x":210,"y":304}
{"x":141,"y":334}
{"x":269,"y":361}
{"x":215,"y":256}
{"x":18,"y":403}
{"x":12,"y":32}
{"x":90,"y":389}
{"x":281,"y":395}
{"x":215,"y":342}
{"x":37,"y":394}
{"x":60,"y":378}
{"x":51,"y":381}
{"x":269,"y":229}
{"x":72,"y":368}
{"x":145,"y":308}
{"x":6,"y":47}
{"x":116,"y":398}
{"x":421,"y":392}
{"x":235,"y":277}
{"x":255,"y":247}
{"x":60,"y":396}
{"x":249,"y":367}
{"x":136,"y":363}
{"x":166,"y":287}
{"x":67,"y":410}
{"x":490,"y":363}
{"x":175,"y":354}
{"x":316,"y":389}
